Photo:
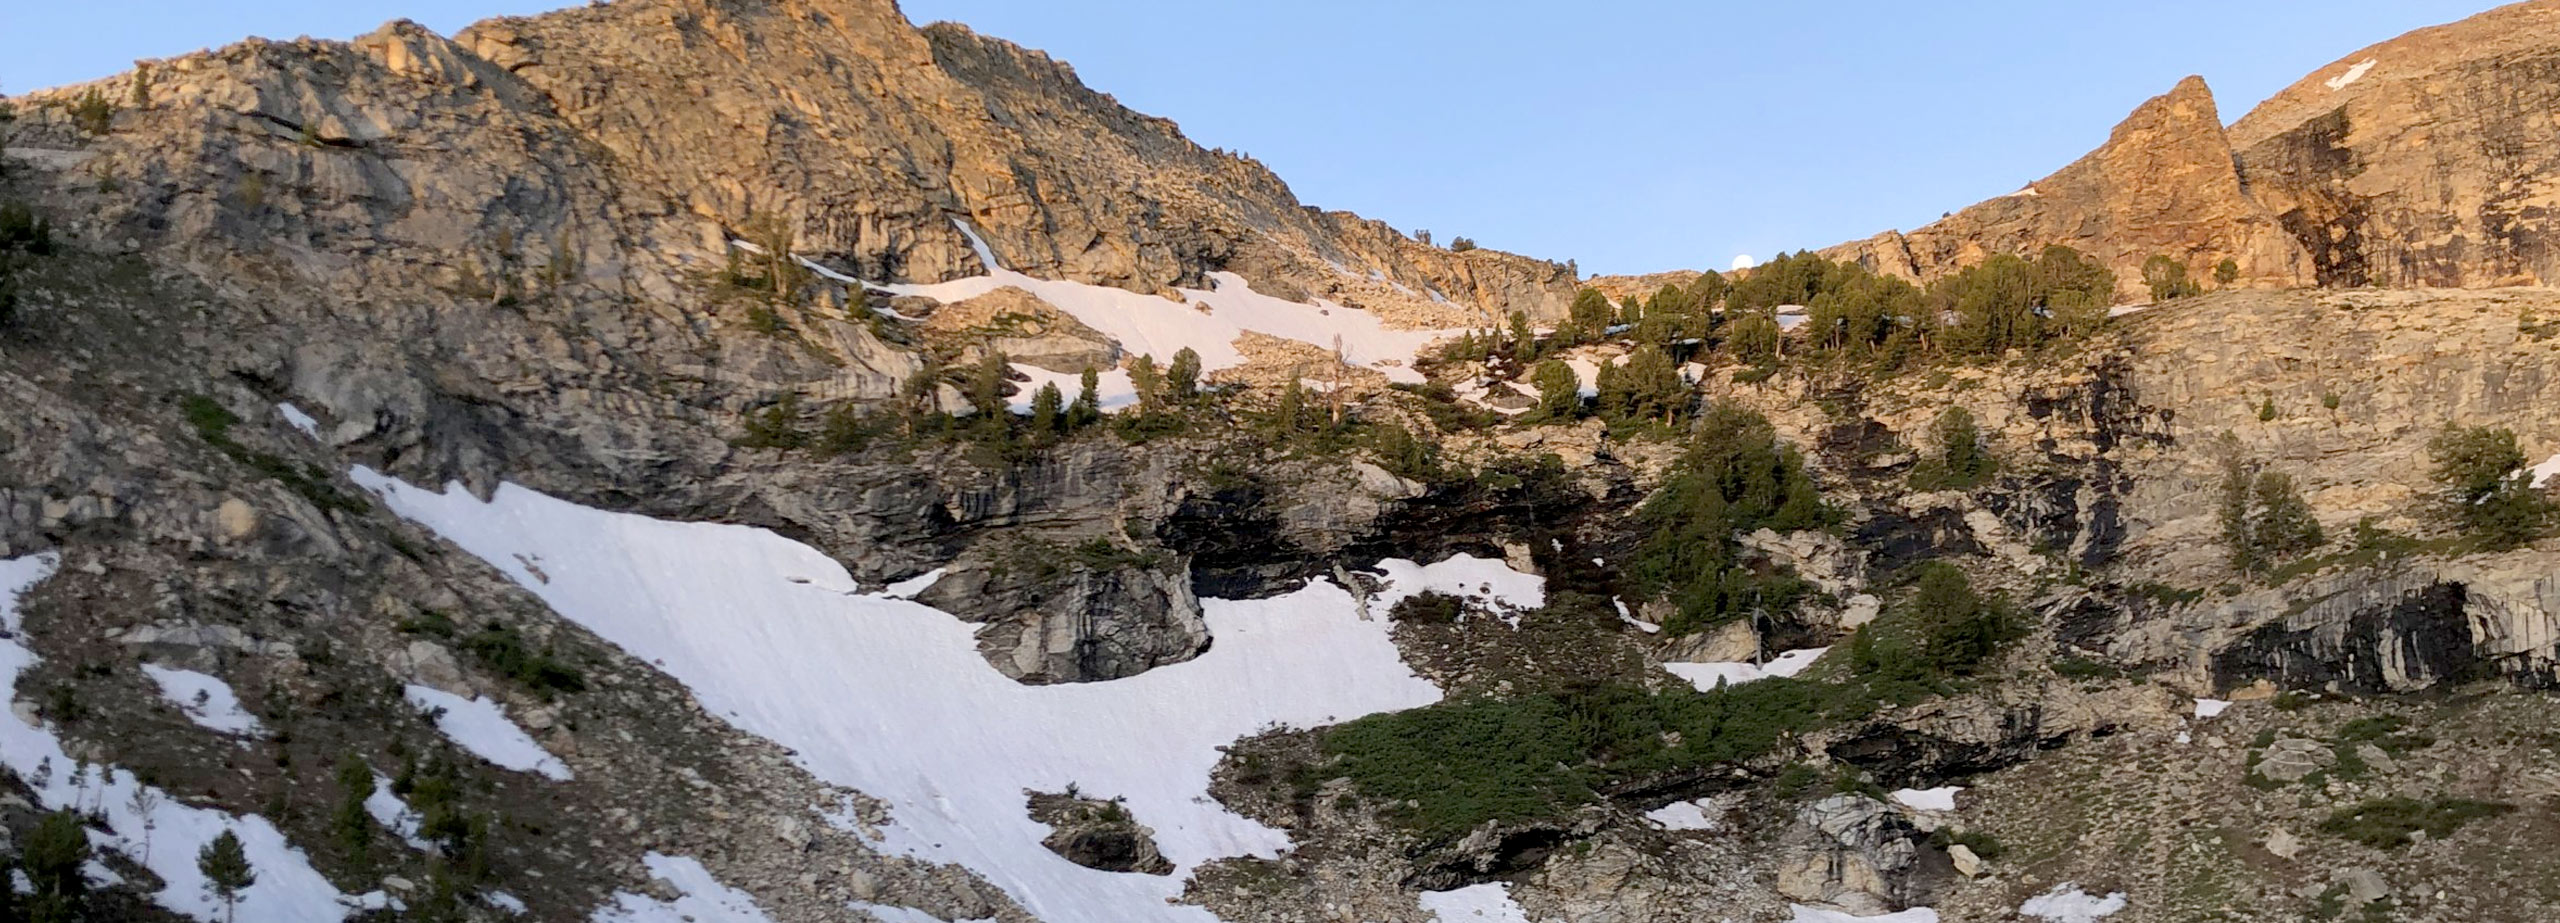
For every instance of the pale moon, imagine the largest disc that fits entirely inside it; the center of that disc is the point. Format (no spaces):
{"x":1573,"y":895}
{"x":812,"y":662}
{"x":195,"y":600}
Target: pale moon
{"x":1744,"y":261}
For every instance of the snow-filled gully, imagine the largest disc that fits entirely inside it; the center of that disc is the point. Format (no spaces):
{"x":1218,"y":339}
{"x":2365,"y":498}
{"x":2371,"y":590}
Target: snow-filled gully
{"x":891,"y":697}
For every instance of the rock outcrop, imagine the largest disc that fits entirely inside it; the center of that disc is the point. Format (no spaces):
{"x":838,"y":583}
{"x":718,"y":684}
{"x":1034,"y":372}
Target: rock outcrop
{"x":2426,"y":160}
{"x":619,"y":144}
{"x":2164,"y":183}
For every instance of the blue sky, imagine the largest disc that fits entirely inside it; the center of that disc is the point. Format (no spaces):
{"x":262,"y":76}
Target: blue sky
{"x":1631,"y":136}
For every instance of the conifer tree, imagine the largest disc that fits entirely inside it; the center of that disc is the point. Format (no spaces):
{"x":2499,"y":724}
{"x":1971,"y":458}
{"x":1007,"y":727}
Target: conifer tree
{"x":1087,"y":410}
{"x":226,"y":870}
{"x":352,"y":825}
{"x":53,"y":855}
{"x":1182,"y":379}
{"x":1559,"y":392}
{"x":1047,"y":407}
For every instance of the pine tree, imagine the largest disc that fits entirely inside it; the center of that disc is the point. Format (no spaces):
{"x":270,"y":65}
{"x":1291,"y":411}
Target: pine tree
{"x":986,"y":388}
{"x":1559,"y":392}
{"x":1524,"y":339}
{"x":1590,"y":313}
{"x":145,"y":804}
{"x":2486,"y":490}
{"x":2285,"y":526}
{"x":1047,"y":408}
{"x":2167,"y":278}
{"x":351,"y":824}
{"x":1182,"y":379}
{"x":2226,"y":272}
{"x":2233,"y":514}
{"x":53,"y":855}
{"x":1290,"y":415}
{"x":1087,"y":410}
{"x":1148,"y":382}
{"x":226,"y":870}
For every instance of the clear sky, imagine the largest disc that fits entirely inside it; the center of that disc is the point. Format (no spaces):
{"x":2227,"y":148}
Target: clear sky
{"x":1632,"y":136}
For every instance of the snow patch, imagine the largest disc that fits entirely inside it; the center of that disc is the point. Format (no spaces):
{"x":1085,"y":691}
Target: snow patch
{"x":700,"y":898}
{"x":288,"y":890}
{"x":916,"y":717}
{"x":1928,"y":799}
{"x":1151,"y":325}
{"x":299,"y":420}
{"x":478,"y":725}
{"x":1707,"y":676}
{"x":1484,"y":903}
{"x":2208,"y":708}
{"x":1629,"y":617}
{"x":2352,"y":75}
{"x":1697,"y":814}
{"x":1804,"y":914}
{"x":513,"y":905}
{"x":206,"y":700}
{"x":1490,"y":583}
{"x":908,"y":588}
{"x":888,"y":914}
{"x":392,"y":812}
{"x":2545,"y":472}
{"x":2066,"y":903}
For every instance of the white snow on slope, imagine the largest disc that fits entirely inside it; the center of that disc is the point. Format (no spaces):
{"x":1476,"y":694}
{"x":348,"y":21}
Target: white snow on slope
{"x":478,"y":725}
{"x":700,"y":898}
{"x":206,"y":700}
{"x":388,"y":809}
{"x":1804,"y":914}
{"x":301,"y":421}
{"x":1695,"y":814}
{"x":1485,"y":903}
{"x":908,"y":588}
{"x":1706,"y":676}
{"x":2545,"y":472}
{"x":2209,"y":708}
{"x":1150,"y":325}
{"x":2352,"y":75}
{"x":891,"y":697}
{"x":2066,"y":903}
{"x":1928,"y":799}
{"x":890,"y":914}
{"x":1492,"y":583}
{"x":287,"y":890}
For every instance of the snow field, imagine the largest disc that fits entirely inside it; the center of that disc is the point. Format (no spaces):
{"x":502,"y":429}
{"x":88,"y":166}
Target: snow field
{"x":891,"y":697}
{"x":2066,"y":903}
{"x":1928,"y":799}
{"x":699,"y":898}
{"x":1804,"y":914}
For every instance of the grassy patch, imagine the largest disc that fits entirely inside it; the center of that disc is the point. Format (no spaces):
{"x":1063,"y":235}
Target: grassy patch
{"x":2390,"y":823}
{"x":213,"y":423}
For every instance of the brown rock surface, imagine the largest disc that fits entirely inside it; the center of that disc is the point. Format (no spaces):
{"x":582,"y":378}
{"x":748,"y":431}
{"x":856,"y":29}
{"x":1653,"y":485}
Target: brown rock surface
{"x":2164,"y":183}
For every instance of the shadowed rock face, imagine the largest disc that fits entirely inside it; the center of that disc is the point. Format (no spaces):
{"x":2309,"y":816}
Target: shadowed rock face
{"x":2432,"y":159}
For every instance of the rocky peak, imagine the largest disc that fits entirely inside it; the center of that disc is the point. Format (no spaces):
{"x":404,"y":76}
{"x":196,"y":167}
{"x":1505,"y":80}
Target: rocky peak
{"x":2164,"y":183}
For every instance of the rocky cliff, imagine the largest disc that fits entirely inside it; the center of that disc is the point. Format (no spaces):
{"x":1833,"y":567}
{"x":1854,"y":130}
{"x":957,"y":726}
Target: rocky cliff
{"x":631,"y":139}
{"x":2422,"y":161}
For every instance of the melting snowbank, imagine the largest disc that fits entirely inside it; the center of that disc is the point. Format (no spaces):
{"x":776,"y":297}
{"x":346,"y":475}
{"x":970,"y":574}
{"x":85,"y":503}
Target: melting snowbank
{"x":1696,"y":814}
{"x":1928,"y":799}
{"x":2066,"y":903}
{"x":1150,"y":325}
{"x":1484,"y":903}
{"x":206,"y":700}
{"x":891,"y":697}
{"x":1707,"y":676}
{"x":1804,"y":914}
{"x":699,"y":898}
{"x":477,"y":725}
{"x":288,"y":890}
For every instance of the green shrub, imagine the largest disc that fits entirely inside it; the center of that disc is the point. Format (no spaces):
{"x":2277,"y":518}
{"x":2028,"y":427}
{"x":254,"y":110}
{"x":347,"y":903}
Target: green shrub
{"x":1958,"y":460}
{"x":1430,"y":607}
{"x":93,"y":113}
{"x":2168,"y":279}
{"x":1736,"y":478}
{"x":502,"y":649}
{"x":2389,"y":823}
{"x":2486,"y":490}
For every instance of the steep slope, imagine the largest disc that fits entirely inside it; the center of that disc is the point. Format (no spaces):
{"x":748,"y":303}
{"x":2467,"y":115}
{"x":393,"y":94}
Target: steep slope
{"x":632,"y":136}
